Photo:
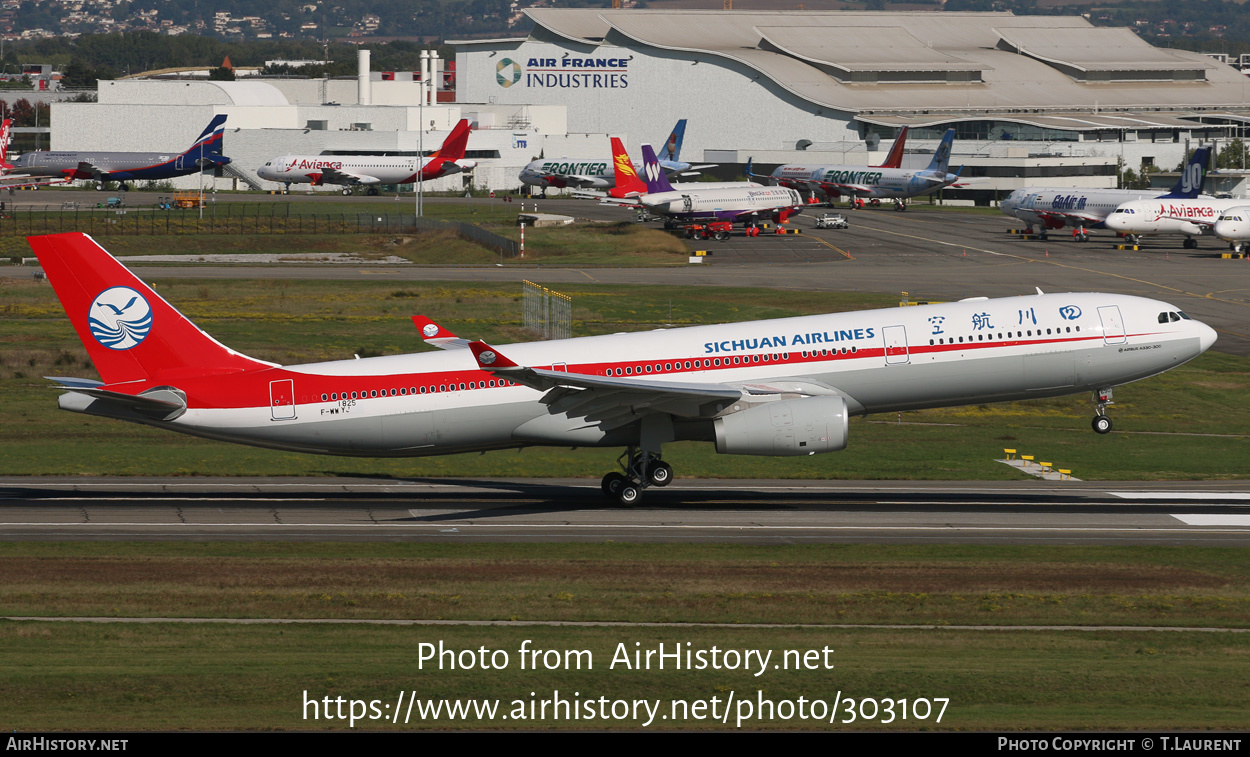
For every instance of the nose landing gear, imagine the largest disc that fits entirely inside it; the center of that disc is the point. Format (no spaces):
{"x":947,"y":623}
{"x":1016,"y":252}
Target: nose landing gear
{"x":1101,"y":423}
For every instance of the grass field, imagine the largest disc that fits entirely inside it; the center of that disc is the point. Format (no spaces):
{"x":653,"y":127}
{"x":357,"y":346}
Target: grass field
{"x":303,"y":321}
{"x":173,"y":676}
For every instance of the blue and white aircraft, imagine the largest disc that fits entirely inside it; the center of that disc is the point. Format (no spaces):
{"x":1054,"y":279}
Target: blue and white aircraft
{"x":1056,"y":207}
{"x":204,"y":153}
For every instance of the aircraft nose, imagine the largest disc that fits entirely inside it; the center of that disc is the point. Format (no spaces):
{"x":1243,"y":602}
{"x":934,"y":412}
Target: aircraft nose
{"x":1115,"y":221}
{"x":1206,"y":336}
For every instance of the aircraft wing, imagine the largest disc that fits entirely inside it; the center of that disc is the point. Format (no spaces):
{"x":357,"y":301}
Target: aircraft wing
{"x":15,"y":181}
{"x":583,"y":182}
{"x":437,"y":336}
{"x":335,"y":176}
{"x":1085,"y":218}
{"x":1194,"y":221}
{"x":851,"y":189}
{"x":609,"y":400}
{"x":86,"y":170}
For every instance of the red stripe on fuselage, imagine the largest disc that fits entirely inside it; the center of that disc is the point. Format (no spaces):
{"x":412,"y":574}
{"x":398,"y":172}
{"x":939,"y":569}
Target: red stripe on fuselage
{"x":251,"y":389}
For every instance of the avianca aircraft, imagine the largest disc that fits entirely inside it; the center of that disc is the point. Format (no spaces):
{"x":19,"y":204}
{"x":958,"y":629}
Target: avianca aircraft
{"x":782,"y":387}
{"x":596,"y":173}
{"x":204,"y":153}
{"x":1192,"y":218}
{"x":737,"y":201}
{"x":363,"y":170}
{"x":1056,"y":207}
{"x":886,"y":181}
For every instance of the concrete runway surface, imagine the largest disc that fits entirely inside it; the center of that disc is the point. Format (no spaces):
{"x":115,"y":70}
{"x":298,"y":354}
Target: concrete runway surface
{"x":1215,"y":513}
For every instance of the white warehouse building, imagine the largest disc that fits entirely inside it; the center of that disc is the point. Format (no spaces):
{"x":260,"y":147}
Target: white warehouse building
{"x":1033,"y":99}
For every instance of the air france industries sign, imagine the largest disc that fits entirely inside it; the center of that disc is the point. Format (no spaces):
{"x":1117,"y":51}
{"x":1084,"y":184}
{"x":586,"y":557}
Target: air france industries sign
{"x":568,"y":72}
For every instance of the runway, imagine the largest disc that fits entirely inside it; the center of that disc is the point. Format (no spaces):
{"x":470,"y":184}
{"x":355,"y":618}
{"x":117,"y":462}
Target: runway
{"x":574,"y":510}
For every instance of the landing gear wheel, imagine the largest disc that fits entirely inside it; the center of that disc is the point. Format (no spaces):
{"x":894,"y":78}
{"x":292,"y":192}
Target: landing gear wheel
{"x":612,"y":483}
{"x":1191,"y":243}
{"x":347,"y":191}
{"x":661,"y":474}
{"x":629,"y":495}
{"x":373,"y":191}
{"x":1102,"y":424}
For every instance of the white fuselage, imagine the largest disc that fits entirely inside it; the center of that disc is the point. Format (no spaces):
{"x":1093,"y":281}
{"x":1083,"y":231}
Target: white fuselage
{"x":693,"y":201}
{"x":969,"y":352}
{"x":1233,"y":225}
{"x":1169,"y":216}
{"x":322,"y":169}
{"x":1057,"y":207}
{"x":862,"y":181}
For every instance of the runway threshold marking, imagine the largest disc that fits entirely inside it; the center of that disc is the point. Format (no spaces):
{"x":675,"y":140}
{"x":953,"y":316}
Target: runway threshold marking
{"x":611,"y":624}
{"x":1213,"y":520}
{"x":1027,"y":259}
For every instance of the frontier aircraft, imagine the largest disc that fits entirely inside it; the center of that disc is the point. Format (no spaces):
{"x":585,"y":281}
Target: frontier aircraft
{"x":886,"y":181}
{"x":129,"y":166}
{"x":596,"y":173}
{"x":782,"y":387}
{"x":1056,"y":207}
{"x":369,"y":171}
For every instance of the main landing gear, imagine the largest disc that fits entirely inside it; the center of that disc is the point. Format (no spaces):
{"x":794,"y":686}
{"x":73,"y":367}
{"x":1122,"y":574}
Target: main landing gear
{"x":641,"y":470}
{"x":1190,"y":243}
{"x":1101,"y":423}
{"x":900,"y":206}
{"x":1079,"y":234}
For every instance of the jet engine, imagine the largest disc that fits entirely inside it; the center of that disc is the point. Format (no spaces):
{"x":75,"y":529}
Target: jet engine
{"x":784,"y":428}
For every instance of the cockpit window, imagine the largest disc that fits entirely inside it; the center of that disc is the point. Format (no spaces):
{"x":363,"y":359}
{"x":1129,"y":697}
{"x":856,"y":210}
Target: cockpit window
{"x":1174,"y":317}
{"x":1163,"y":317}
{"x":1181,"y":313}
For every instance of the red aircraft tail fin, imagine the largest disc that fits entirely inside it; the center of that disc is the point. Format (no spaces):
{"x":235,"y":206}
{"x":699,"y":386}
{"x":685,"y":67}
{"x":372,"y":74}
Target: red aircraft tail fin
{"x":627,"y":181}
{"x":895,"y":158}
{"x":457,"y":140}
{"x":6,"y":136}
{"x":130,"y":332}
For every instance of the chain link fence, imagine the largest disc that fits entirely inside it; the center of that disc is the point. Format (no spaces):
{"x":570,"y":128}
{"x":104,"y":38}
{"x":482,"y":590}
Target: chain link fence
{"x":547,"y":313}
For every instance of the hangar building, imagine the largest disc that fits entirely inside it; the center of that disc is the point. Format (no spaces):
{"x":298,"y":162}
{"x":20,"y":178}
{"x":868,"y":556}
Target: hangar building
{"x":1032,"y":98}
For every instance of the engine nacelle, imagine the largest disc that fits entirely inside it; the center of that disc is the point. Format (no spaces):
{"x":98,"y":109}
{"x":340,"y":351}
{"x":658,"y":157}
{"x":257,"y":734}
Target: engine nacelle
{"x":785,"y":428}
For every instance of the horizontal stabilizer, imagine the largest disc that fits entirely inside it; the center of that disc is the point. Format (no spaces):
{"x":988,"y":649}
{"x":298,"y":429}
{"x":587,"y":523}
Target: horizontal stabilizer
{"x":437,"y":336}
{"x":162,"y":403}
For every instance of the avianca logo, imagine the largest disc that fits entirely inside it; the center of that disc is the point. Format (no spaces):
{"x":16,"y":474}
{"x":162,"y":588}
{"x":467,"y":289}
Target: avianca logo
{"x":624,"y":166}
{"x":1185,"y":211}
{"x":304,"y":165}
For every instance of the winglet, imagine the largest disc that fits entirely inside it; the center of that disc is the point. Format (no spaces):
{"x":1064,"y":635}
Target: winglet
{"x":436,"y":335}
{"x":488,"y":358}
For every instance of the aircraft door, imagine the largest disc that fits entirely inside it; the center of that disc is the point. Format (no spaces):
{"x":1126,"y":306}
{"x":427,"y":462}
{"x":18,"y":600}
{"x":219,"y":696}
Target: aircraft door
{"x":282,"y":399}
{"x":1112,"y":325}
{"x":178,"y":162}
{"x":895,"y":345}
{"x":686,"y":203}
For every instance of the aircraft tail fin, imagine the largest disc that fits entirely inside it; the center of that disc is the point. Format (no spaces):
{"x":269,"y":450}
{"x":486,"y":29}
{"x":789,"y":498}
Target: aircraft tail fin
{"x":1193,"y":177}
{"x":627,"y":181}
{"x":210,"y":140}
{"x":453,"y":147}
{"x":895,"y":158}
{"x":130,"y":332}
{"x":942,"y":157}
{"x":672,"y":147}
{"x":656,"y":179}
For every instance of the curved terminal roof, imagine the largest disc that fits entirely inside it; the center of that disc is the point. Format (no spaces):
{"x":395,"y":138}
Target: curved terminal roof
{"x":923,"y":62}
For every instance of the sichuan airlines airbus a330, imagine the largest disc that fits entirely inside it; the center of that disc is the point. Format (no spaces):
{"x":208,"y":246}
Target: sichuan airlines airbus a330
{"x":782,"y":387}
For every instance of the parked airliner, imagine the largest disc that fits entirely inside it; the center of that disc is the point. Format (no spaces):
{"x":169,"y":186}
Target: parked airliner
{"x":782,"y":387}
{"x":1192,"y":218}
{"x":1233,"y":226}
{"x":204,"y":153}
{"x":368,"y":171}
{"x":597,"y":173}
{"x":1056,"y":207}
{"x":887,"y":181}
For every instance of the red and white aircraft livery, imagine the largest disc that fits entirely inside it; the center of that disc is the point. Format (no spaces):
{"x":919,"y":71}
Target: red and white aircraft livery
{"x":369,"y":171}
{"x":779,"y":387}
{"x":1191,"y":217}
